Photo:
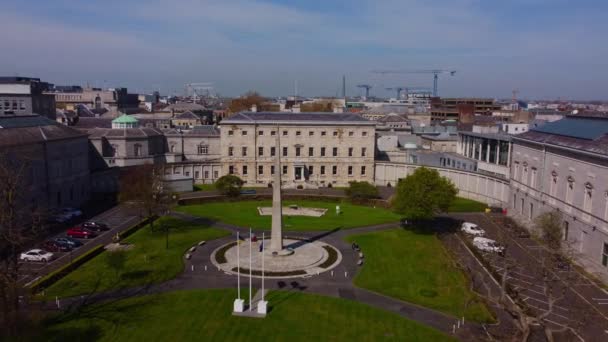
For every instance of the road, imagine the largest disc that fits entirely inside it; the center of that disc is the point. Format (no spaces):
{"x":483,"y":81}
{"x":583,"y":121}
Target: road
{"x":118,"y":219}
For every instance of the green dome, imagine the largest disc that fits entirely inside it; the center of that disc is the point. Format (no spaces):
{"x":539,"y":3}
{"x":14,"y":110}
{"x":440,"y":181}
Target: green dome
{"x":125,"y":119}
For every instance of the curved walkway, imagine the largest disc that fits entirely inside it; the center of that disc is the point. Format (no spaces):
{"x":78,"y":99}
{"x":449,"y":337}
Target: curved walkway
{"x":199,"y":273}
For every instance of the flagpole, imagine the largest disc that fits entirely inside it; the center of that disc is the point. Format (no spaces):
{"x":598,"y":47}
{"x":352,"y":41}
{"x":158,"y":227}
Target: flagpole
{"x":250,"y":266}
{"x":238,"y":266}
{"x":263,"y":235}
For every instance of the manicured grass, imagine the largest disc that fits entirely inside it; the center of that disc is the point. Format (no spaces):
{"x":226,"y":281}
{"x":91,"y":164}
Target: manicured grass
{"x":205,"y":315}
{"x":245,"y":214}
{"x":416,"y":268}
{"x":463,"y":205}
{"x":147,"y":262}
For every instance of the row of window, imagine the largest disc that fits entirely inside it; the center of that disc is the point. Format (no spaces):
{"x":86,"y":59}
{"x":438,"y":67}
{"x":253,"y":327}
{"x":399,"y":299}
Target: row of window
{"x":523,"y":177}
{"x":299,"y":133}
{"x":310,"y":170}
{"x":298,"y":151}
{"x":12,"y":105}
{"x":197,"y":174}
{"x":200,"y":149}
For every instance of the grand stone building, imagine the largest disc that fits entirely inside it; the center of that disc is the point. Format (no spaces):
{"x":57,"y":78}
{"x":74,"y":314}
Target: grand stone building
{"x":563,"y":166}
{"x":316,"y":149}
{"x":25,"y":96}
{"x":56,"y":160}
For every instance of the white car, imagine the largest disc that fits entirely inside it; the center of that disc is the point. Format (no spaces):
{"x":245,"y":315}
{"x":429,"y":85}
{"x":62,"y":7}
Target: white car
{"x":36,"y":255}
{"x":488,"y":245}
{"x":472,"y":229}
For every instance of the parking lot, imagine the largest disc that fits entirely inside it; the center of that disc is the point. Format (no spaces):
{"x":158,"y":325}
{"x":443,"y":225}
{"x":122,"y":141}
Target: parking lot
{"x":118,"y":219}
{"x":546,"y":286}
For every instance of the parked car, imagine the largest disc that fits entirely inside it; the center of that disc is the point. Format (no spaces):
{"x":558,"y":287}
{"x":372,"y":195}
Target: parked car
{"x":36,"y":255}
{"x":69,"y":242}
{"x":248,"y":192}
{"x":80,"y":233}
{"x":488,"y":245}
{"x":95,"y":226}
{"x":59,"y":217}
{"x":53,"y":246}
{"x":72,"y":212}
{"x":472,"y":229}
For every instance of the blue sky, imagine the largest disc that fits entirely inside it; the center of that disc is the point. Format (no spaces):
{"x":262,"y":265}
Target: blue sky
{"x":543,"y":48}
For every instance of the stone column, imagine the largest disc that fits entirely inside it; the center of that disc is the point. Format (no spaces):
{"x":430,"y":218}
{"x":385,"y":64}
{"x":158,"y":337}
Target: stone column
{"x":276,"y":234}
{"x":487,"y":160}
{"x":498,"y":152}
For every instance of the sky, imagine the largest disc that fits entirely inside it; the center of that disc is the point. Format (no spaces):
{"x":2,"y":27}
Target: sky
{"x":545,"y":49}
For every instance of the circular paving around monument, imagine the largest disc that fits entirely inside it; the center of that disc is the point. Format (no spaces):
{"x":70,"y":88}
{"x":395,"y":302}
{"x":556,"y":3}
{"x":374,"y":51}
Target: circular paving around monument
{"x":308,"y":258}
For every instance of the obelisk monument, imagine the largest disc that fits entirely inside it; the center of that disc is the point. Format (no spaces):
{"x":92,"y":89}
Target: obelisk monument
{"x":276,"y":235}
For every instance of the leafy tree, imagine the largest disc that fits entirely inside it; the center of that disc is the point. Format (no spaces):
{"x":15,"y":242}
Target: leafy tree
{"x":361,"y":191}
{"x":317,"y":107}
{"x":550,"y":226}
{"x":423,"y":194}
{"x":229,"y":185}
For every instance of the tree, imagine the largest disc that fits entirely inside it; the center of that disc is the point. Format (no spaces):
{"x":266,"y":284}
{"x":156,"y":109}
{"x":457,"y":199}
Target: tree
{"x":229,"y":185}
{"x":142,"y":187}
{"x":245,"y":102}
{"x":323,"y":106}
{"x":20,"y":226}
{"x":423,"y":194}
{"x":549,"y":224}
{"x":361,"y":191}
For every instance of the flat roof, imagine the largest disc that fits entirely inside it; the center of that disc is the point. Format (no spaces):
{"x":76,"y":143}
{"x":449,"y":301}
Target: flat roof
{"x":323,"y":118}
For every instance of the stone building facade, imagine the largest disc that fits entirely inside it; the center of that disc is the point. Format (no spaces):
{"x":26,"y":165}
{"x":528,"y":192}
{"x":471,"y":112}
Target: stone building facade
{"x":25,"y":96}
{"x":563,"y":166}
{"x":315,"y":149}
{"x":56,"y":159}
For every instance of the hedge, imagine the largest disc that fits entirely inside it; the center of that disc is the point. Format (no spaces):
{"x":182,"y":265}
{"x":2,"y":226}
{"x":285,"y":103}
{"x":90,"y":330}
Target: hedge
{"x":52,"y":277}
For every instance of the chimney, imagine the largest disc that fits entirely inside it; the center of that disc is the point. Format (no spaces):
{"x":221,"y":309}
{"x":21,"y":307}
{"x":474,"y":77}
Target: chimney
{"x":254,"y":108}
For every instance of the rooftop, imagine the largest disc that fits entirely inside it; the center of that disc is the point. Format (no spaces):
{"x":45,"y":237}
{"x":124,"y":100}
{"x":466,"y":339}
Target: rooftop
{"x":295,"y":118}
{"x":589,"y":134}
{"x":493,"y":136}
{"x":125,"y":119}
{"x":142,"y":132}
{"x":23,"y":130}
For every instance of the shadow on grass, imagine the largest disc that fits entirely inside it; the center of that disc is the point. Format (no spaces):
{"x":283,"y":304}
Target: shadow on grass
{"x":90,"y":332}
{"x":437,"y":225}
{"x":135,"y":275}
{"x":313,"y":238}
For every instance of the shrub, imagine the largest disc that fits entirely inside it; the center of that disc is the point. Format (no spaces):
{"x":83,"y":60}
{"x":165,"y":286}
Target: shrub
{"x":229,"y":185}
{"x":362,"y":191}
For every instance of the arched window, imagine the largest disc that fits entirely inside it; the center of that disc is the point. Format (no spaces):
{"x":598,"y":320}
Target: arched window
{"x":588,"y":200}
{"x":569,"y":189}
{"x":137,"y":150}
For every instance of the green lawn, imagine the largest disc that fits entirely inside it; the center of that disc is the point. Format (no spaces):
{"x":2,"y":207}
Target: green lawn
{"x":245,"y":214}
{"x":205,"y":315}
{"x":416,"y":268}
{"x":462,"y":205}
{"x":147,"y":262}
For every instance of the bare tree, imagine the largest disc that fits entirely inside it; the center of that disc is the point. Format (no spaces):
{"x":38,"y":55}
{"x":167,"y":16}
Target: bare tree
{"x":142,"y":187}
{"x":20,"y":225}
{"x":549,"y":225}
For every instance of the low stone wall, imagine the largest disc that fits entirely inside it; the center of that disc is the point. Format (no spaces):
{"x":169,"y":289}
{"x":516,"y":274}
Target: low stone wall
{"x":471,"y":185}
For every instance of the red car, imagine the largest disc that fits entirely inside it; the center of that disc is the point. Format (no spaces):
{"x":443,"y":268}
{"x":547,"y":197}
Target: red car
{"x":80,"y":233}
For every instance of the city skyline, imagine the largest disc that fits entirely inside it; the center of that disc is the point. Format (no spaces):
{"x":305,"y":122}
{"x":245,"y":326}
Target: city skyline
{"x":545,"y":49}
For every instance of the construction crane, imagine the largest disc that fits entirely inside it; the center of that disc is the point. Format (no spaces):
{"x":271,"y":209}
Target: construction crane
{"x":199,"y":90}
{"x":367,"y":87}
{"x":398,"y":90}
{"x":435,"y":73}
